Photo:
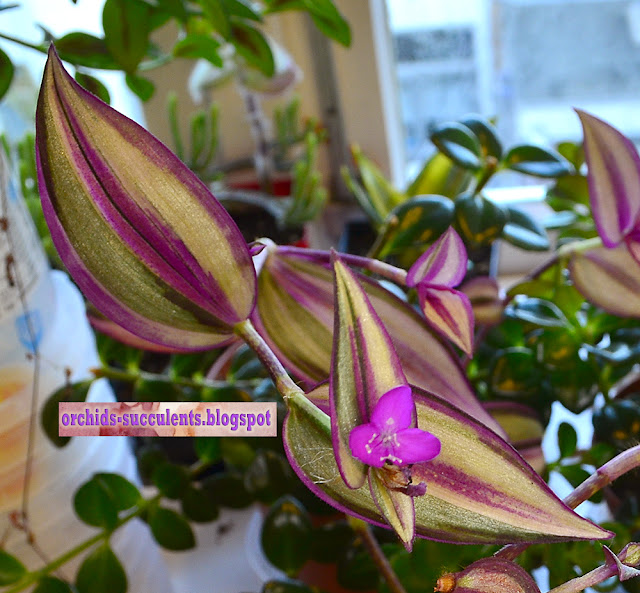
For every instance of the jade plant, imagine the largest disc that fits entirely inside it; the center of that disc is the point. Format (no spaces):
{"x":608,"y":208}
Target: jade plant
{"x":382,"y":423}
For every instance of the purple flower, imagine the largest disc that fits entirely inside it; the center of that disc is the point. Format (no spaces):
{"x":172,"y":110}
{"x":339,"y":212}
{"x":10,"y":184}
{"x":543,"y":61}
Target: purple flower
{"x":388,"y":437}
{"x":434,"y":274}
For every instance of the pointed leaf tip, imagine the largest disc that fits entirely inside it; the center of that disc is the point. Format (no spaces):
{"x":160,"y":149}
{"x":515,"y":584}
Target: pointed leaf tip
{"x":614,"y":179}
{"x":107,"y":182}
{"x":443,"y":264}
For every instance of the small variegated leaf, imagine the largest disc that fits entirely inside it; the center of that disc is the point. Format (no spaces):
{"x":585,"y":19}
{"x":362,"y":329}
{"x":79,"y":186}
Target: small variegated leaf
{"x":141,"y":235}
{"x":608,"y":278}
{"x":614,"y":179}
{"x":625,"y":564}
{"x":364,"y":367}
{"x":479,"y":490}
{"x":449,"y":312}
{"x":443,"y":264}
{"x":488,"y":575}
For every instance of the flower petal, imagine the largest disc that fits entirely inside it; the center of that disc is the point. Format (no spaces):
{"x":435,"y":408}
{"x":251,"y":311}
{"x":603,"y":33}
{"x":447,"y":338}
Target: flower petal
{"x":449,"y":312}
{"x":395,"y":410}
{"x":366,"y":445}
{"x":415,"y":446}
{"x":443,"y":264}
{"x":614,"y":179}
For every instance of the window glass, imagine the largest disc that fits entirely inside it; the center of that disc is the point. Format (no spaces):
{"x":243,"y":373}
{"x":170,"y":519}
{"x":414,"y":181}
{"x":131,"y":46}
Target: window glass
{"x":526,"y":62}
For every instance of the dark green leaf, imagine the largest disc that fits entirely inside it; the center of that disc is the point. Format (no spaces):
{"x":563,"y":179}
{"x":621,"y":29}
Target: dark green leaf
{"x":533,"y":160}
{"x":217,"y":16}
{"x":283,"y":5}
{"x":514,"y":374}
{"x":523,"y":231}
{"x":93,"y":85}
{"x":537,"y":311}
{"x":6,"y":73}
{"x":150,"y":456}
{"x":75,"y":392}
{"x":286,"y":587}
{"x":574,"y":474}
{"x":459,"y":143}
{"x":151,"y":390}
{"x":199,"y":46}
{"x":236,"y":452}
{"x":101,"y":572}
{"x":252,"y":45}
{"x":286,"y":535}
{"x":330,"y":541}
{"x":11,"y":569}
{"x":171,"y":479}
{"x":421,"y":220}
{"x":52,"y":585}
{"x":126,"y":26}
{"x":241,"y":9}
{"x":567,"y":439}
{"x":171,"y":530}
{"x":268,"y":477}
{"x":227,"y":490}
{"x":124,"y":494}
{"x":95,"y":506}
{"x":174,"y":8}
{"x":486,"y":134}
{"x":478,"y":221}
{"x":197,"y":506}
{"x":82,"y":49}
{"x":574,"y":153}
{"x":329,"y":21}
{"x":140,"y":86}
{"x":207,"y":449}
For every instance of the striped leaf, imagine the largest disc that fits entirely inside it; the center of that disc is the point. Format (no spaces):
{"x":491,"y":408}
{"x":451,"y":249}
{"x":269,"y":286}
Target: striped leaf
{"x":488,"y":574}
{"x":144,"y":239}
{"x":364,"y":366}
{"x":608,"y":278}
{"x":479,"y":490}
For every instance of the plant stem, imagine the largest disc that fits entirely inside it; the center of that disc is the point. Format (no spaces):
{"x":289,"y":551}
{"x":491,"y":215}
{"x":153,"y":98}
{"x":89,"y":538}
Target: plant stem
{"x":396,"y":275}
{"x":383,"y":237}
{"x":603,"y":476}
{"x":23,"y":43}
{"x":377,"y":555}
{"x":291,"y":393}
{"x":32,"y":577}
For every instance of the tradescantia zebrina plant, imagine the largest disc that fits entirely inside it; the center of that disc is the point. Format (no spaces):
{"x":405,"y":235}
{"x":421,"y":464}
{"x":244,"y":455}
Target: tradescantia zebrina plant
{"x":397,"y":438}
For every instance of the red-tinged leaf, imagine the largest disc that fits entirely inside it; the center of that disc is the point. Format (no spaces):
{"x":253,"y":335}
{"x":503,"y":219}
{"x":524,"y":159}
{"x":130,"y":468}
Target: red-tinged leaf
{"x":144,"y":238}
{"x":608,"y":278}
{"x":614,"y":179}
{"x":443,"y":264}
{"x":364,"y":367}
{"x":449,"y":312}
{"x":478,"y":489}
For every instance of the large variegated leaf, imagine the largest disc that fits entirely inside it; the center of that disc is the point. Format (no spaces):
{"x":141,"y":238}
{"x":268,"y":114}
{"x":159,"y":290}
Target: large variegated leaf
{"x":144,"y":239}
{"x":295,"y":305}
{"x":364,"y":367}
{"x":608,"y":278}
{"x":479,"y":490}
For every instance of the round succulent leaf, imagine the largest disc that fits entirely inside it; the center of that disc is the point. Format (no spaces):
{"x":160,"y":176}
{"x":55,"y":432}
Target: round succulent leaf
{"x":459,"y":143}
{"x":514,"y":373}
{"x":95,"y":505}
{"x":101,"y":572}
{"x":486,"y":134}
{"x":50,"y":419}
{"x":539,"y":312}
{"x":537,"y":161}
{"x":82,"y":49}
{"x":171,"y":479}
{"x":197,"y":506}
{"x":93,"y":85}
{"x":289,"y":586}
{"x":286,"y":535}
{"x":52,"y":585}
{"x":208,"y":449}
{"x":227,"y":490}
{"x":170,"y":529}
{"x":478,"y":221}
{"x":567,"y":439}
{"x":268,"y":477}
{"x":523,"y":231}
{"x":11,"y":569}
{"x":356,"y":570}
{"x":420,"y":220}
{"x":125,"y":495}
{"x":6,"y":73}
{"x":440,"y":176}
{"x":330,"y":541}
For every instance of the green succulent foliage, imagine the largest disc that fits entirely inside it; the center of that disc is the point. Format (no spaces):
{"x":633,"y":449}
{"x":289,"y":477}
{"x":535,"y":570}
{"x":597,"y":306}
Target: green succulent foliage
{"x":49,"y":418}
{"x":11,"y":569}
